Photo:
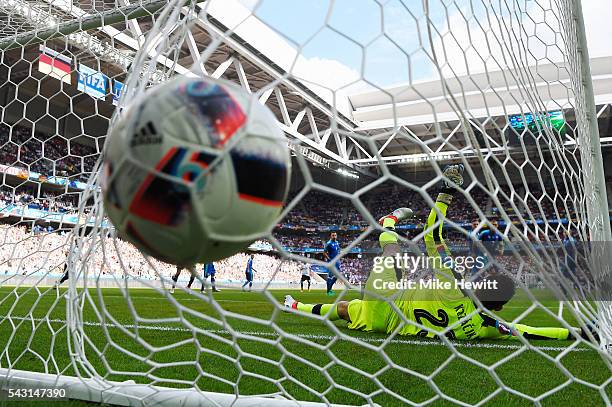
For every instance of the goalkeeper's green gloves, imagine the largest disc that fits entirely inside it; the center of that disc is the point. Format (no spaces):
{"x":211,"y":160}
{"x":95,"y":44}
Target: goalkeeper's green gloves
{"x":453,"y":178}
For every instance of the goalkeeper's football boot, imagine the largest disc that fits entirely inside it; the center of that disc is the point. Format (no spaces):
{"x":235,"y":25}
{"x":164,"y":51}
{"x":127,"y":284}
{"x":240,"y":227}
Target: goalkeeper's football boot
{"x":592,"y":329}
{"x":290,"y":303}
{"x":397,"y":215}
{"x":454,"y":175}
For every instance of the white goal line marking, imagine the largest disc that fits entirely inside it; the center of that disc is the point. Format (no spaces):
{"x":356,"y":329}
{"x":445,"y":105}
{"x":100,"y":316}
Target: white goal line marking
{"x":307,"y":336}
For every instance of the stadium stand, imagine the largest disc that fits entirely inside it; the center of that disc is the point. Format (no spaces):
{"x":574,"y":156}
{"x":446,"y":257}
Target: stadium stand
{"x":304,"y":230}
{"x":48,"y":155}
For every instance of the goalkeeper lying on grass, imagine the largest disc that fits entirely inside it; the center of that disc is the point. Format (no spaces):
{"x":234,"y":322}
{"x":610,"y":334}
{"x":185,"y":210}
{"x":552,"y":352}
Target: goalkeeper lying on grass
{"x":434,"y":309}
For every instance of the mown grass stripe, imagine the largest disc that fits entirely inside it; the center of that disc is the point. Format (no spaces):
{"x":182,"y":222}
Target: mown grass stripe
{"x":402,"y":341}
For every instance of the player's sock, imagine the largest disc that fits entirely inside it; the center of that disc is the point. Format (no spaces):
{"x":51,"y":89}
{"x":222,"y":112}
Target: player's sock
{"x":531,"y":332}
{"x":389,"y":222}
{"x":319,"y":309}
{"x":396,"y":216}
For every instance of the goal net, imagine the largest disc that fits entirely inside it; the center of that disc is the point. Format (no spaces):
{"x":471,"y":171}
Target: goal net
{"x":376,"y":101}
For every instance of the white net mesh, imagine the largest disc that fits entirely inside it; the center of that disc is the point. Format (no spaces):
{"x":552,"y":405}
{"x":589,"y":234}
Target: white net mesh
{"x":500,"y":88}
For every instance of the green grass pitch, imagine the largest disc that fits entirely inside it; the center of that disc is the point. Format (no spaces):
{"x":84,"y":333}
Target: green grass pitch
{"x":171,"y":353}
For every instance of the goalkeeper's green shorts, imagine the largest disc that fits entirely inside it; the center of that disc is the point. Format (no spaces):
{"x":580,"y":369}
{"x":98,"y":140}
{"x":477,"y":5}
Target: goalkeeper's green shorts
{"x":374,"y":313}
{"x":369,"y":315}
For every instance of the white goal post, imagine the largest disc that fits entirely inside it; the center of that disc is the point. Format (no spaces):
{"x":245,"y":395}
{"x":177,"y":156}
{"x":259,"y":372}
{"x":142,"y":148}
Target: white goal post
{"x":505,"y":89}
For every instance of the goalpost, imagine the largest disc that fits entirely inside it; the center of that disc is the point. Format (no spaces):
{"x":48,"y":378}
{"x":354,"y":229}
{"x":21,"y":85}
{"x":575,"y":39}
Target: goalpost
{"x":531,"y":148}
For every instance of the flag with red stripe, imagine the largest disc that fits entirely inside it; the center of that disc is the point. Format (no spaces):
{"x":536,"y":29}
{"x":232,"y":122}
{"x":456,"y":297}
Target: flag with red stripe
{"x":54,"y":64}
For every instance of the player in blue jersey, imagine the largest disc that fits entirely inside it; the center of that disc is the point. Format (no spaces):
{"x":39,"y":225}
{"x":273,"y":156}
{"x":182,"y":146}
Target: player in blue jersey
{"x":209,"y":271}
{"x":249,"y":273}
{"x":490,"y":234}
{"x":330,"y":251}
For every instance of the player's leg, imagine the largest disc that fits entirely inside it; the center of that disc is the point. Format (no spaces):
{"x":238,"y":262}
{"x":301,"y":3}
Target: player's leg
{"x":382,"y":274}
{"x":308,"y":279}
{"x":388,"y":240}
{"x":249,"y":280}
{"x":65,"y":275}
{"x":356,"y":312}
{"x":333,"y":312}
{"x":205,"y":276}
{"x":374,"y":311}
{"x":302,"y":284}
{"x":371,"y":313}
{"x":494,"y":329}
{"x":192,"y":273}
{"x":175,"y":277}
{"x":331,"y":280}
{"x":212,"y":283}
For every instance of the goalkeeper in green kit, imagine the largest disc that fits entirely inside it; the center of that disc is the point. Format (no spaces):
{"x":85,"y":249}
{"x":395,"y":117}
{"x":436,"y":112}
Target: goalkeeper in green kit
{"x":384,"y":307}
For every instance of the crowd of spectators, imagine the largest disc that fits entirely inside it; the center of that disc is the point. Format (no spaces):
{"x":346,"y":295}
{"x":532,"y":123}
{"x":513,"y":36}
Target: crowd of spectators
{"x":22,"y":148}
{"x":49,"y":201}
{"x":356,"y":269}
{"x":41,"y":249}
{"x":33,"y":196}
{"x":300,"y":241}
{"x":53,"y":155}
{"x":24,"y":251}
{"x":320,"y":208}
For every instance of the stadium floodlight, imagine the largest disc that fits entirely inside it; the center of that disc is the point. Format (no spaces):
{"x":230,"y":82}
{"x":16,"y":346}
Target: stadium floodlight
{"x":496,"y":107}
{"x":347,"y":173}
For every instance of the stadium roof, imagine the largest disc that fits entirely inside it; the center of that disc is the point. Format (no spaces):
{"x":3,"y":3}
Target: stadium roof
{"x":410,"y":110}
{"x":304,"y":109}
{"x":479,"y":95}
{"x":303,"y":114}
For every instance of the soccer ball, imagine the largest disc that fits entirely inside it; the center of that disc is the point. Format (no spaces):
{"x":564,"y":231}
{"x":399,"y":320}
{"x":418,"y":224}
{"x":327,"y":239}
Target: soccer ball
{"x":194,"y":171}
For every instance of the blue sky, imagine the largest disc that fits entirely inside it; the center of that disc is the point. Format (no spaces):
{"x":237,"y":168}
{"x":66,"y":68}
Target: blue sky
{"x":400,"y":55}
{"x":323,"y":29}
